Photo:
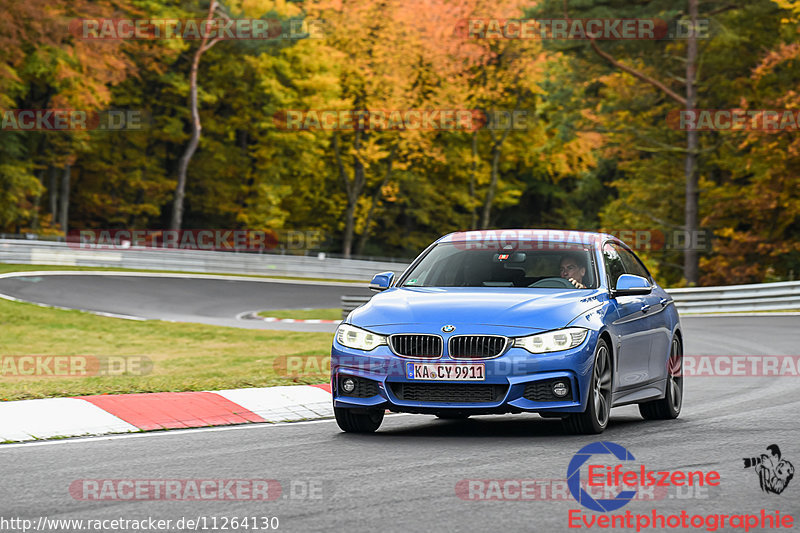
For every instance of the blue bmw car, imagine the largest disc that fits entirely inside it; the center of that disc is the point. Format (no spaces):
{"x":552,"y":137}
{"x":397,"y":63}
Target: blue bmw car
{"x":563,"y":324}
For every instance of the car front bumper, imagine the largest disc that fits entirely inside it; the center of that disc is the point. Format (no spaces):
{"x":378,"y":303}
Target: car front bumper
{"x":516,"y":381}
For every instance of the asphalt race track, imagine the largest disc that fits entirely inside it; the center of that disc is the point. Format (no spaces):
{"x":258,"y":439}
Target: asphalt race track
{"x":216,"y":301}
{"x":404,"y":477}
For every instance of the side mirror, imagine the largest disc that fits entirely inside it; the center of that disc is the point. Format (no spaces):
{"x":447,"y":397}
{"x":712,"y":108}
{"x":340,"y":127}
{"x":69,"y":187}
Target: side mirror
{"x":381,"y":281}
{"x":630,"y":285}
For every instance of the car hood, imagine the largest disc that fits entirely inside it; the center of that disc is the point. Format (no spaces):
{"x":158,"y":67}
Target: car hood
{"x":536,"y":309}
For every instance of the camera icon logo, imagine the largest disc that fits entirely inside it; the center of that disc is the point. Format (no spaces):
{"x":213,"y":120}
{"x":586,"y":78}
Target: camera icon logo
{"x":774,"y":472}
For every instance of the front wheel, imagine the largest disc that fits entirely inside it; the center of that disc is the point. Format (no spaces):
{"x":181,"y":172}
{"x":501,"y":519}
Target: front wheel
{"x":669,"y":406}
{"x":594,"y":418}
{"x":352,"y":421}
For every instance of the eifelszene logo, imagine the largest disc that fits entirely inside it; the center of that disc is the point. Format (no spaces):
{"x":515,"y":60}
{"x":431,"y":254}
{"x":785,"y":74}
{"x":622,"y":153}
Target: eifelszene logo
{"x":774,"y":473}
{"x":611,"y":478}
{"x":574,"y":477}
{"x":608,"y":467}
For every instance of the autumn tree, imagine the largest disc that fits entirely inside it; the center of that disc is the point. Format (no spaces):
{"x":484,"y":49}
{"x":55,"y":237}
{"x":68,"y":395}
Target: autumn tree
{"x":43,"y":65}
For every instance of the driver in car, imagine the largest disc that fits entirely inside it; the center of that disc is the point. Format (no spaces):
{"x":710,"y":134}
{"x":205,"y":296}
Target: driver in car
{"x":573,"y":269}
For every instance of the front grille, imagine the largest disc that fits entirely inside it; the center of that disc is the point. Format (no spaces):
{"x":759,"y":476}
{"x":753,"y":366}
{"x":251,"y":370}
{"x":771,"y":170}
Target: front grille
{"x":476,"y":346}
{"x":417,"y":345}
{"x":365,"y":388}
{"x":542,"y":391}
{"x":449,"y":392}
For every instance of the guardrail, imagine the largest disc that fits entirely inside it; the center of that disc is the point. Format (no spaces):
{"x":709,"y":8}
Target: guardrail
{"x":734,"y":298}
{"x":780,"y":296}
{"x":738,"y":298}
{"x":352,"y":302}
{"x":33,"y":252}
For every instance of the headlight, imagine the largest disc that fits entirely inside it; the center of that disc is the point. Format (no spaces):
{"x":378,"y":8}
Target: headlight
{"x":552,"y":341}
{"x":357,"y":338}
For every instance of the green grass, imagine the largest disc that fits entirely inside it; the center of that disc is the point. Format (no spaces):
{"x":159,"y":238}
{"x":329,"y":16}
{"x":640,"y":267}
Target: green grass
{"x":185,"y":357}
{"x":8,"y":267}
{"x":324,"y":314}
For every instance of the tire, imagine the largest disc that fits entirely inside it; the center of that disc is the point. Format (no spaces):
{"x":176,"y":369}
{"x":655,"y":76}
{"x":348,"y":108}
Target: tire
{"x":358,"y":422}
{"x":668,"y":407}
{"x":594,"y":419}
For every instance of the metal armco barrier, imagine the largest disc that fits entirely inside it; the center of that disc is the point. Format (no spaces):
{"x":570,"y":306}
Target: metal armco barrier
{"x":352,"y":302}
{"x":781,"y":296}
{"x":30,"y":252}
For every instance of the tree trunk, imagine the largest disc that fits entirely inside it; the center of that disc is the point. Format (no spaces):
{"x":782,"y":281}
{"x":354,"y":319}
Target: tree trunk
{"x":376,"y":197}
{"x":183,"y":165}
{"x":352,"y":190}
{"x":487,"y":206}
{"x":63,"y":209}
{"x":364,"y":237}
{"x":349,"y":228}
{"x":352,"y":203}
{"x":690,"y":260}
{"x":244,"y":139}
{"x":37,"y":201}
{"x":53,"y":190}
{"x":496,"y":151}
{"x":473,"y":221}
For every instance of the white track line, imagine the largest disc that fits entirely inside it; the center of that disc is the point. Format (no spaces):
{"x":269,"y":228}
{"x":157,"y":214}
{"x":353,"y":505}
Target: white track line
{"x":253,"y":315}
{"x":174,"y":432}
{"x":98,"y":313}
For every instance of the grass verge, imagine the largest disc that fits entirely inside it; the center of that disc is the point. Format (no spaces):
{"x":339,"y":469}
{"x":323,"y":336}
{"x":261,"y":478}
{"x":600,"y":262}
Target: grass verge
{"x":185,"y":357}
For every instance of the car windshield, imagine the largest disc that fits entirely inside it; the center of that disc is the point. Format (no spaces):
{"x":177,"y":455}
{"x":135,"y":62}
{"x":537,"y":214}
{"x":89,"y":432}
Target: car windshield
{"x":453,"y":264}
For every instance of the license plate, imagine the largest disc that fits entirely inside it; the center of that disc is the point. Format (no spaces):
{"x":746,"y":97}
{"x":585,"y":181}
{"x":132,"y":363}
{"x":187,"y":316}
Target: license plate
{"x":446,"y":372}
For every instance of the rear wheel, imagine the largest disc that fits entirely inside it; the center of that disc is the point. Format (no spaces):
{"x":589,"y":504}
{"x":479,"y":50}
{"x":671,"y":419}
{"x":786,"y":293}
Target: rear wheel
{"x":669,"y":406}
{"x":594,"y":418}
{"x":357,"y":421}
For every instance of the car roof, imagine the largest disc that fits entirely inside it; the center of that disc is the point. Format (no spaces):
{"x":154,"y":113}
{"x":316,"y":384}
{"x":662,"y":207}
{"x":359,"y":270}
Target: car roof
{"x":544,"y":235}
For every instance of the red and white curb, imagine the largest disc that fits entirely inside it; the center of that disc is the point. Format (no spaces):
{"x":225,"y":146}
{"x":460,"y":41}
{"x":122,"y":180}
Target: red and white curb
{"x":299,"y":320}
{"x":123,"y":413}
{"x":255,"y":316}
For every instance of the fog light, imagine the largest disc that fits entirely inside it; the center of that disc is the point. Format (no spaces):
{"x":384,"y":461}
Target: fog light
{"x":348,"y":385}
{"x":560,"y":389}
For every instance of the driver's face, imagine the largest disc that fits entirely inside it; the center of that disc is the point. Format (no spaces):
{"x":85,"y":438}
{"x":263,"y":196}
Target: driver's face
{"x":570,"y":270}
